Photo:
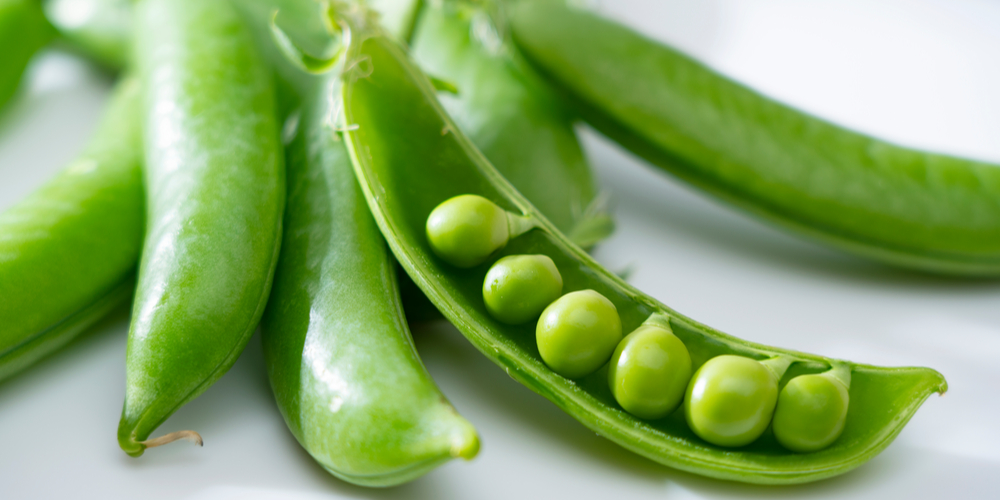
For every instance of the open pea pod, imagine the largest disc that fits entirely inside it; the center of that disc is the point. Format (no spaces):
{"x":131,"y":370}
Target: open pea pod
{"x":409,"y":157}
{"x":907,"y":207}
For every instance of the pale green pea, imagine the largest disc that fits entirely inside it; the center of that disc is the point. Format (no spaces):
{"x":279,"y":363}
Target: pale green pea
{"x":731,"y":399}
{"x":649,"y":371}
{"x":578,"y":333}
{"x":518,"y":287}
{"x":467,"y":229}
{"x":812,"y":410}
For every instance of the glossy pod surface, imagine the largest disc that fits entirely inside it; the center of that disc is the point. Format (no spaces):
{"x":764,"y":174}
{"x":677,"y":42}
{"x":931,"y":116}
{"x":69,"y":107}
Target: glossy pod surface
{"x":907,"y":207}
{"x":23,"y":30}
{"x":214,"y":179}
{"x":339,"y":355}
{"x":68,"y":251}
{"x":394,"y":118}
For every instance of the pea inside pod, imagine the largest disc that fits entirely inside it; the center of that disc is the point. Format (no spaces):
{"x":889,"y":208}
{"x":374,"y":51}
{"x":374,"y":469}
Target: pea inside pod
{"x":392,"y":115}
{"x":812,"y":410}
{"x":650,"y":370}
{"x":731,"y":399}
{"x":518,"y":287}
{"x":578,"y":333}
{"x":467,"y":229}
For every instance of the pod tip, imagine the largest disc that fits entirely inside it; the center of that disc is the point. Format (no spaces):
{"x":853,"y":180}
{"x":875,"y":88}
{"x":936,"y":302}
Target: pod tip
{"x":465,"y":445}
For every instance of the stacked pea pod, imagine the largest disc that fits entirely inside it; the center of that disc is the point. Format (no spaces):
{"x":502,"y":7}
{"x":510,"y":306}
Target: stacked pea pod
{"x":491,"y":258}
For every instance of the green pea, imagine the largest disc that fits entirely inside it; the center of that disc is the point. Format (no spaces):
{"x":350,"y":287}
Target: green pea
{"x":467,"y":229}
{"x":649,"y":371}
{"x":578,"y":333}
{"x":518,"y":287}
{"x":811,"y":412}
{"x":730,"y":400}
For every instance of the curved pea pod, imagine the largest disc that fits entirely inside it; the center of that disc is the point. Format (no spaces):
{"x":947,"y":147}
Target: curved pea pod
{"x":339,"y":355}
{"x":215,"y":189}
{"x":99,"y":29}
{"x":392,"y":117}
{"x":23,"y":30}
{"x":68,"y":251}
{"x":906,"y":207}
{"x":510,"y":114}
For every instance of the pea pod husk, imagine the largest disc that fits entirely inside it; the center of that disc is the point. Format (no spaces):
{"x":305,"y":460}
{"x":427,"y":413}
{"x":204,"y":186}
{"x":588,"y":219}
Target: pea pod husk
{"x":68,"y":251}
{"x":392,"y":117}
{"x":215,"y":187}
{"x":339,"y":355}
{"x":906,"y":207}
{"x":23,"y":30}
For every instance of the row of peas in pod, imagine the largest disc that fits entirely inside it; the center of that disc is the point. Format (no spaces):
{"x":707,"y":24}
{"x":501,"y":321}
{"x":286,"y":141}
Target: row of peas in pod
{"x":729,"y":401}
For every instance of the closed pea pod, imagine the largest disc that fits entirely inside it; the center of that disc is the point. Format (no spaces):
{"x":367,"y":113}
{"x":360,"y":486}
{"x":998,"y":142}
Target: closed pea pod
{"x":215,"y":183}
{"x":903,"y":206}
{"x":68,"y":251}
{"x":340,"y":358}
{"x":812,"y":410}
{"x":650,"y":370}
{"x":391,"y":116}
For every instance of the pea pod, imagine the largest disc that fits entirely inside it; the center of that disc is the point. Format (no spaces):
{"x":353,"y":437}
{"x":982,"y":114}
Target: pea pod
{"x":392,"y":116}
{"x":215,"y":184}
{"x":339,"y":355}
{"x":510,"y":114}
{"x":23,"y":31}
{"x":906,"y":207}
{"x":68,"y":251}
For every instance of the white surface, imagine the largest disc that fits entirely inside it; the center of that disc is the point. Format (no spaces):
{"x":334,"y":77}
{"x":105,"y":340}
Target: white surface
{"x":920,"y":72}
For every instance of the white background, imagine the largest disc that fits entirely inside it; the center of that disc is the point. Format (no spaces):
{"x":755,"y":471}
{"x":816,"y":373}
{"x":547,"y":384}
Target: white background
{"x":921,"y":72}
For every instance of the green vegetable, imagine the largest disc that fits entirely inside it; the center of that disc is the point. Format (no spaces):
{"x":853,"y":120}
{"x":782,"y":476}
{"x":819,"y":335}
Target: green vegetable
{"x":23,"y":30}
{"x":391,"y":116}
{"x":99,"y":29}
{"x":510,"y":113}
{"x":812,"y":410}
{"x":518,"y":287}
{"x":650,"y":370}
{"x":578,"y":333}
{"x":731,"y":399}
{"x":467,"y":229}
{"x":339,"y":355}
{"x":910,"y":208}
{"x":68,"y":251}
{"x":215,"y":183}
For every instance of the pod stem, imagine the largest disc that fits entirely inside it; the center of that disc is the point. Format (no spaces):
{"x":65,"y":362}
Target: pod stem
{"x":659,"y":319}
{"x":840,"y":372}
{"x":519,"y":224}
{"x":778,"y":365}
{"x":192,"y":436}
